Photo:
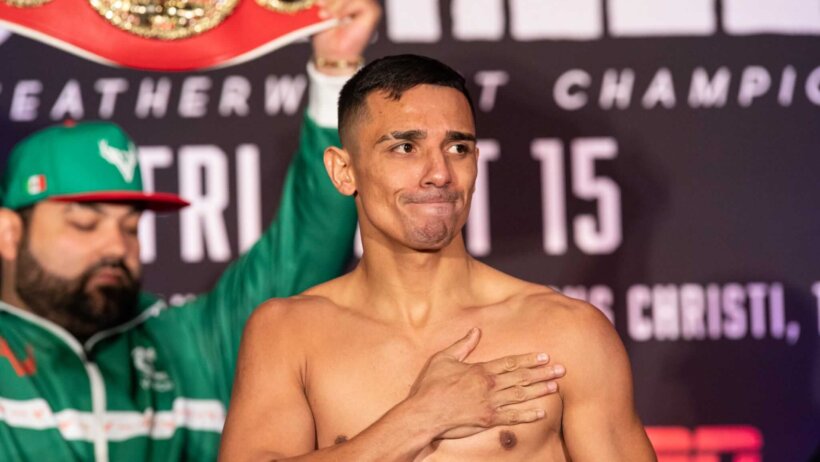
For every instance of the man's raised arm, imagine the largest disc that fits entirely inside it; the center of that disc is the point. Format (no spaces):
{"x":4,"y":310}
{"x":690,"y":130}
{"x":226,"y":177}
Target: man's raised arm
{"x":311,"y":237}
{"x":270,"y":417}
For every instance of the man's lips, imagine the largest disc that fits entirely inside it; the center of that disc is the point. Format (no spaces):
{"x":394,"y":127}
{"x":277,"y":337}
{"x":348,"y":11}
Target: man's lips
{"x":437,"y":197}
{"x":108,"y":276}
{"x":434,"y":207}
{"x":434,"y":201}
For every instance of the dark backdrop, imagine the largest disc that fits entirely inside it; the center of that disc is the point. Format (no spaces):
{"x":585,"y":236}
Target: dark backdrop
{"x":660,"y":159}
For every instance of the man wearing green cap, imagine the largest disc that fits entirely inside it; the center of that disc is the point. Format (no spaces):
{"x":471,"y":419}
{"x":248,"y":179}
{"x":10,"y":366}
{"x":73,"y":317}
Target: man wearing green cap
{"x":90,"y":367}
{"x":74,"y":164}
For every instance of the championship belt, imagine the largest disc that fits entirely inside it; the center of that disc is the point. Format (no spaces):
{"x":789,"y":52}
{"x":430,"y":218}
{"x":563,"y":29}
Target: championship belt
{"x":165,"y":35}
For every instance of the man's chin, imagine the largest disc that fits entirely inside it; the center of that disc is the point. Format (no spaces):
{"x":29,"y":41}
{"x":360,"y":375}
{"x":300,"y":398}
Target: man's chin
{"x":430,"y":238}
{"x":105,"y":298}
{"x":101,"y":290}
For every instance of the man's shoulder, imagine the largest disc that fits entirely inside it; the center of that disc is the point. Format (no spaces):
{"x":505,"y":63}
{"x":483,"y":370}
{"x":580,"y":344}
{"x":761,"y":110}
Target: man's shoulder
{"x":296,"y":312}
{"x":554,"y":303}
{"x":285,"y":326}
{"x":544,"y":301}
{"x":585,"y":337}
{"x":576,"y":319}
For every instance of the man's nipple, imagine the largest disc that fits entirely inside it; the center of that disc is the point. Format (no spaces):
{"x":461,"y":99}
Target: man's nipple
{"x":507,"y":439}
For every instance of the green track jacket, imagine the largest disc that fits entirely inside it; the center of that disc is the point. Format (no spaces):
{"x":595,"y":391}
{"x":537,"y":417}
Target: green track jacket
{"x":157,"y":387}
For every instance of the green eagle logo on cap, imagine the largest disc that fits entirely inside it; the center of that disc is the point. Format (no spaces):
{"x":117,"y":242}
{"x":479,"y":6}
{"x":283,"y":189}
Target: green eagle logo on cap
{"x":125,"y":161}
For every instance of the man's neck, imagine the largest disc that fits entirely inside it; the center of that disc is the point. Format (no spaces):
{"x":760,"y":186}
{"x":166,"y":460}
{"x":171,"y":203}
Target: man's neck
{"x":8,"y":291}
{"x":416,"y":287}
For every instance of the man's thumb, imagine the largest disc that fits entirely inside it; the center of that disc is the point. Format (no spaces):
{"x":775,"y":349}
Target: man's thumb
{"x":462,"y":348}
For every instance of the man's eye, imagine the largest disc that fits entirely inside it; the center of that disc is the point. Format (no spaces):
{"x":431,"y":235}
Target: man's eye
{"x":459,"y":149}
{"x":404,"y":148}
{"x":84,"y":226}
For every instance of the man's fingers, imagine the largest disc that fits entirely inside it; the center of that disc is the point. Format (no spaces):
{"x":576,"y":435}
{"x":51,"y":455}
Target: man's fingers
{"x":358,"y":9}
{"x":356,"y":21}
{"x":518,"y":416}
{"x":520,"y":394}
{"x":515,"y":362}
{"x":330,"y":8}
{"x":462,"y":348}
{"x":528,"y":376}
{"x":366,"y":11}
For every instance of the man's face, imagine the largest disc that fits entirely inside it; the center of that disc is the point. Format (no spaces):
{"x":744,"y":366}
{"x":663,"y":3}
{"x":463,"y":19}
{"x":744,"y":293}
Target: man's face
{"x":78,"y":264}
{"x":414,"y":162}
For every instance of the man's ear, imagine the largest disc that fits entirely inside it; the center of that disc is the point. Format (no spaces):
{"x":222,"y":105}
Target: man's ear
{"x":340,"y":169}
{"x":11,"y":231}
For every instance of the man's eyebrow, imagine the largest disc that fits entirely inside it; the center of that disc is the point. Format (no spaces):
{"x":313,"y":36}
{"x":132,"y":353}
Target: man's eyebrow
{"x":96,"y":208}
{"x":453,"y":135}
{"x":93,"y":206}
{"x":408,"y":135}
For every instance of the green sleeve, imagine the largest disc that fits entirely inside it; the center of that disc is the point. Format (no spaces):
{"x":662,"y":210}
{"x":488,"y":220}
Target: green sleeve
{"x":309,"y":242}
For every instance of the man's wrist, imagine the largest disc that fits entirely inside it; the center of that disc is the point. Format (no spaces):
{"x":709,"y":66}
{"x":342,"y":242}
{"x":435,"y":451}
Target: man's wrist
{"x":323,"y":96}
{"x":337,"y":66}
{"x":422,"y":424}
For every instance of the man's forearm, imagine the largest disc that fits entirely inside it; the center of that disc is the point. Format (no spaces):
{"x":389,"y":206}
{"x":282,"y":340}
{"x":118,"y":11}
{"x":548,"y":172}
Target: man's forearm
{"x":400,"y":435}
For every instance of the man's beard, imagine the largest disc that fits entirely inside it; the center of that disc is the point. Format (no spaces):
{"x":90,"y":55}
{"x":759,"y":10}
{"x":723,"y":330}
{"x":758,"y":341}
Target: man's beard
{"x":69,"y":303}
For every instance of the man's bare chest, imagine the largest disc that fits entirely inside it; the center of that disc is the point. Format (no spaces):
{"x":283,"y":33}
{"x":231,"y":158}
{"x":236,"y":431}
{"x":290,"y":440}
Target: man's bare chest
{"x":368,"y":371}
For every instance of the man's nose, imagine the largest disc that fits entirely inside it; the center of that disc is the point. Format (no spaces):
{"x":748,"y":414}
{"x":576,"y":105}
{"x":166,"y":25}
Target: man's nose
{"x":438,"y":170}
{"x":114,"y":242}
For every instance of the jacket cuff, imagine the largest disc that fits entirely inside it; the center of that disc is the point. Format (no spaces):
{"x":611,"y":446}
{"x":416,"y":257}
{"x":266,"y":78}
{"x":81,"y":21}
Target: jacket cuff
{"x":323,"y":96}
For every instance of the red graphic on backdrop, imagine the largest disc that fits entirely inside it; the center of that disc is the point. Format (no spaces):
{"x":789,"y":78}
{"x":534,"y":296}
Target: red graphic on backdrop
{"x":21,"y":368}
{"x":709,"y":443}
{"x":74,"y":26}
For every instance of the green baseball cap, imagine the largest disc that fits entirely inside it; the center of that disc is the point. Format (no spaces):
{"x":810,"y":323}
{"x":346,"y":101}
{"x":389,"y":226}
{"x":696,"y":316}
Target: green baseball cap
{"x":82,"y":162}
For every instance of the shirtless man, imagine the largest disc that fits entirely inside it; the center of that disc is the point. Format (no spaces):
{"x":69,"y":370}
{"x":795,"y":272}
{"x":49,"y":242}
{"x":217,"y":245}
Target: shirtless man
{"x":349,"y":371}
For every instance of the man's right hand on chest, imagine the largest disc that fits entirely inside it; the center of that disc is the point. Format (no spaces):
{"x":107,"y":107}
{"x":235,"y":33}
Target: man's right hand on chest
{"x":461,"y":399}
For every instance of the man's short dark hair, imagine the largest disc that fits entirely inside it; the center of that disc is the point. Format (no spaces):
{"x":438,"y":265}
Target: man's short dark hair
{"x":394,"y":75}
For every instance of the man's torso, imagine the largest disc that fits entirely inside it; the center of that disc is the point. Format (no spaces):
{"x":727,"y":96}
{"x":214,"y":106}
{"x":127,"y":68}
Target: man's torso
{"x":357,"y":368}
